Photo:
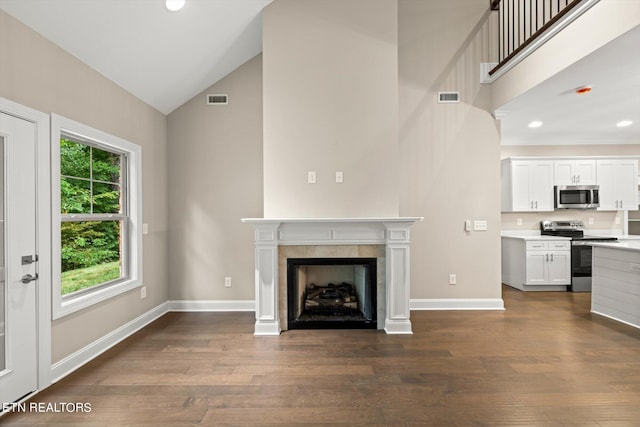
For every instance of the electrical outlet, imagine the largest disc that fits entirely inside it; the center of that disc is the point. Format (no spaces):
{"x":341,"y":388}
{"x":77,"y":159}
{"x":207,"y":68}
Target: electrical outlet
{"x":339,"y":177}
{"x":143,"y":292}
{"x":145,"y":228}
{"x":519,"y":221}
{"x":590,"y":221}
{"x":227,"y":282}
{"x":311,"y":177}
{"x":617,"y":220}
{"x":452,"y":279}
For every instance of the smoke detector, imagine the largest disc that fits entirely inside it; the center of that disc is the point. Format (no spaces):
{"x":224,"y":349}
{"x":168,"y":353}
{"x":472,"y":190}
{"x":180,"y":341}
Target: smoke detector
{"x":583,"y":90}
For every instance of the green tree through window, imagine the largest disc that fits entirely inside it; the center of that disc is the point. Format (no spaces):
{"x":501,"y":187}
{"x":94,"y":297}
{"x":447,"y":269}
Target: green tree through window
{"x":92,"y":215}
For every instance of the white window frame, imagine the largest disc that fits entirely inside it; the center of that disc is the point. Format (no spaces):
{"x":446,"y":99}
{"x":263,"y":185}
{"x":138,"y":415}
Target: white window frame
{"x":61,"y":127}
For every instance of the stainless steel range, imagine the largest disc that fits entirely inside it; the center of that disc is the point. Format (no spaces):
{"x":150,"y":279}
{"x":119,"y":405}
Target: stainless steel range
{"x":581,"y":250}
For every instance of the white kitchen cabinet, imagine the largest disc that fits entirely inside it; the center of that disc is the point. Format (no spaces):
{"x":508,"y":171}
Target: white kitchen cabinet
{"x":548,"y":263}
{"x":574,"y":172}
{"x":527,"y":185}
{"x":536,"y":265}
{"x":618,"y":182}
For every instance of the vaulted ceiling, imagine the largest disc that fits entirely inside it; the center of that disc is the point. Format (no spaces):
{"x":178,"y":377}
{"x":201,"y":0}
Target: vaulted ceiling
{"x":164,"y":58}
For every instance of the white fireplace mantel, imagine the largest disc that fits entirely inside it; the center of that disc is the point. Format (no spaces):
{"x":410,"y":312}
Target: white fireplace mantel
{"x":392,"y":232}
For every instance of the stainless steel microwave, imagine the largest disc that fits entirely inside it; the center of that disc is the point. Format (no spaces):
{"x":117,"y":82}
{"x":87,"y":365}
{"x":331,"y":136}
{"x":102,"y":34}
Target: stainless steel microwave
{"x":576,"y":196}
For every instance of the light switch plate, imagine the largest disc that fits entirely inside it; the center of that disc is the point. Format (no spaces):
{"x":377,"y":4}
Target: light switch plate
{"x":480,"y":225}
{"x":311,"y":177}
{"x":339,"y":177}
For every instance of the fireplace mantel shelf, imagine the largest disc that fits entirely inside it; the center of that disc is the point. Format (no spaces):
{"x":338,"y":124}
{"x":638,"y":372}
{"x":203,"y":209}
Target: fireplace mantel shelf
{"x":392,"y":232}
{"x":330,"y":220}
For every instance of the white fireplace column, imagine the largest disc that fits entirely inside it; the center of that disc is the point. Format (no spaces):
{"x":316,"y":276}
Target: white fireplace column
{"x":391,"y":232}
{"x":266,"y":253}
{"x":397,"y":320}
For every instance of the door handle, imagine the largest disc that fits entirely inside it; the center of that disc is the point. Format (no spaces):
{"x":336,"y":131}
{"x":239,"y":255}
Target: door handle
{"x":27,"y":278}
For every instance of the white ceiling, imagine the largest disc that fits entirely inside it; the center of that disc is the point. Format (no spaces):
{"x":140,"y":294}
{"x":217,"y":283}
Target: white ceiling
{"x":164,"y":58}
{"x":613,"y":71}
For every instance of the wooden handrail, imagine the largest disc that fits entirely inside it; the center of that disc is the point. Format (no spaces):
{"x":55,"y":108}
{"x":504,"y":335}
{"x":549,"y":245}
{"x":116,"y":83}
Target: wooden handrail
{"x":522,"y":21}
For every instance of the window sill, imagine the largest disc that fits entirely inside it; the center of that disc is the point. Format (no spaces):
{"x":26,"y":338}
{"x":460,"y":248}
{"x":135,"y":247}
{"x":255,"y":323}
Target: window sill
{"x":88,"y":299}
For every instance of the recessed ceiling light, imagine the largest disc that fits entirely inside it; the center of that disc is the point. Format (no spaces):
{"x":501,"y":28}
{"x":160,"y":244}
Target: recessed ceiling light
{"x":535,"y":124}
{"x":624,"y":123}
{"x":174,"y":5}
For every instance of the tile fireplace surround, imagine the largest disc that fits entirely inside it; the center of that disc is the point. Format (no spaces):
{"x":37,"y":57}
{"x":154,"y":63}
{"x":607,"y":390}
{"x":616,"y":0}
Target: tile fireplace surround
{"x":345,"y":235}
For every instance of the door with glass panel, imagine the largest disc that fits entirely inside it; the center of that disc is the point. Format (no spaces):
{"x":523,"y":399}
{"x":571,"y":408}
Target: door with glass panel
{"x":18,"y":259}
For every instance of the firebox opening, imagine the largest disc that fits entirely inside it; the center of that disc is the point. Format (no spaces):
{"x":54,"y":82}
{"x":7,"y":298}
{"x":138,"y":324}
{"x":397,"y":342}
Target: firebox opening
{"x":331,"y":293}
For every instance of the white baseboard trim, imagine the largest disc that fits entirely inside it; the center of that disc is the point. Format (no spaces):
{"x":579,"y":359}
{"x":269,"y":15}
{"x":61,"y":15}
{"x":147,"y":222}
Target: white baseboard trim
{"x":457,"y":304}
{"x":608,"y":316}
{"x":415,"y":304}
{"x":74,"y":361}
{"x":212,"y":305}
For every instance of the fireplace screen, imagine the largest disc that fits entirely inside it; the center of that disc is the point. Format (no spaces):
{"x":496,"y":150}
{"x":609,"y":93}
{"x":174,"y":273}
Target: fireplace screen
{"x":331,"y":292}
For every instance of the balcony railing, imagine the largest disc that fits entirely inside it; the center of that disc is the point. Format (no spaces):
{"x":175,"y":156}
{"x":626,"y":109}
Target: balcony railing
{"x":521,"y":22}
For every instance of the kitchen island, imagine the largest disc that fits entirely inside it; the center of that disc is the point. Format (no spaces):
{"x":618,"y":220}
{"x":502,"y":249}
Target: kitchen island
{"x":616,"y":281}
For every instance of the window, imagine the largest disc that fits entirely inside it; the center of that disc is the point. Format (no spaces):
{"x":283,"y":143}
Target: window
{"x":97,"y":216}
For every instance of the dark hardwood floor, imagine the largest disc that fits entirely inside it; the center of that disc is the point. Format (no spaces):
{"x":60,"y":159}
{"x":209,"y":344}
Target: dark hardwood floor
{"x":545,"y":361}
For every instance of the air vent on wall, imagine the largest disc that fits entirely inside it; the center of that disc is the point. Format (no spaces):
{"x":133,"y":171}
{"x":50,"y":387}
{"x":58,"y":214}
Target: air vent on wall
{"x":448,"y":97}
{"x":217,"y":99}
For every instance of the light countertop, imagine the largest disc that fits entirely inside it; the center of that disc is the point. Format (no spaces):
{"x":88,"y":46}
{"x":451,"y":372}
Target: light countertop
{"x":537,"y":238}
{"x":625,"y":245}
{"x":534,"y":237}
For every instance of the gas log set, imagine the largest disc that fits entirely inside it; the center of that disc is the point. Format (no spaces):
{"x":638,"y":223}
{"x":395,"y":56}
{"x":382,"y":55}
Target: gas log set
{"x":332,"y":299}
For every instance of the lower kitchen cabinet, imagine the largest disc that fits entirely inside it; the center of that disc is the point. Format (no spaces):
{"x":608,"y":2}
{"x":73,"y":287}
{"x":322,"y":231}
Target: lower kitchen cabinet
{"x":543,"y":265}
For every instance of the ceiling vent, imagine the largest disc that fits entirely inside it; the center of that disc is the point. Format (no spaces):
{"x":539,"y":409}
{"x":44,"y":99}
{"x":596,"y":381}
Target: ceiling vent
{"x":217,"y":99}
{"x":448,"y":97}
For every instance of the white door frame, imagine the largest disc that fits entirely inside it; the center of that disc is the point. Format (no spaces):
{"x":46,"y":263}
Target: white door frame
{"x":43,"y":232}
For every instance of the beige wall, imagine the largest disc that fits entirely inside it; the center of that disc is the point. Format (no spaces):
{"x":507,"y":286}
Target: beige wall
{"x":599,"y":25}
{"x":215,"y":180}
{"x":38,"y":74}
{"x":330,"y":104}
{"x":450,"y":152}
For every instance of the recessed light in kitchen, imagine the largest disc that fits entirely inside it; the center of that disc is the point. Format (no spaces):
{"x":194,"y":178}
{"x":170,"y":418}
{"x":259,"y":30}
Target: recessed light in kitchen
{"x":174,"y":5}
{"x":535,"y":124}
{"x":624,"y":123}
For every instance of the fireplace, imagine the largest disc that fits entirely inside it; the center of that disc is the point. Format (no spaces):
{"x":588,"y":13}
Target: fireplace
{"x":386,"y":239}
{"x":331,"y":293}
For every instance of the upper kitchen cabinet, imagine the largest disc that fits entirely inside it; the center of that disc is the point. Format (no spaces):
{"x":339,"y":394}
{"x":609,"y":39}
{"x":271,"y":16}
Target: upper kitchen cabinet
{"x":527,"y":185}
{"x":618,"y":181}
{"x":574,"y":172}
